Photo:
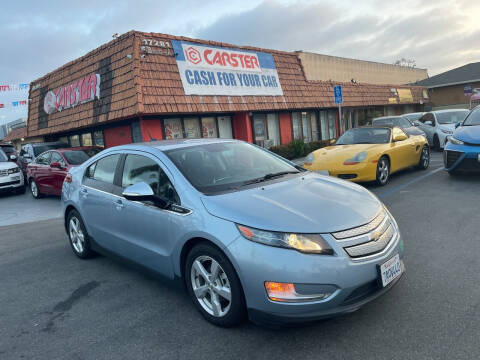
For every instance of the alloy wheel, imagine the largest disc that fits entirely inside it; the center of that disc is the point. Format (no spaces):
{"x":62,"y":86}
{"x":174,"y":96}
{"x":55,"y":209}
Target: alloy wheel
{"x":76,"y":235}
{"x":33,"y":188}
{"x":211,"y":286}
{"x":425,"y":157}
{"x":383,"y":170}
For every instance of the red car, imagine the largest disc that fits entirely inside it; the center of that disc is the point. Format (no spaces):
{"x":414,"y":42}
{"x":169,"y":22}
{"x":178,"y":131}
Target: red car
{"x":46,"y":173}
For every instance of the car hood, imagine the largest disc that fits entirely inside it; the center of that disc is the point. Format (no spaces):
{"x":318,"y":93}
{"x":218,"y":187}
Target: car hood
{"x":332,"y":157}
{"x":310,"y":203}
{"x":470,"y":134}
{"x":450,"y":127}
{"x":5,"y":165}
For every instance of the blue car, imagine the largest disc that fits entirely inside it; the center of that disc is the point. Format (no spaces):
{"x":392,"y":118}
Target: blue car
{"x":248,"y":232}
{"x":462,"y":152}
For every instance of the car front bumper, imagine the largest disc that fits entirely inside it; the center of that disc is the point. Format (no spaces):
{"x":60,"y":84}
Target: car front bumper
{"x":353,"y":283}
{"x":11,"y":182}
{"x":362,"y":172}
{"x":461,"y":157}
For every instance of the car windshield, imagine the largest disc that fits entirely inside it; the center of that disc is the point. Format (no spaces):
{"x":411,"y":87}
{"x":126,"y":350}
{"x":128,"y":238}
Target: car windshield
{"x":38,"y":149}
{"x":77,"y":157}
{"x":451,"y":117}
{"x":398,"y":121}
{"x":213,"y":168}
{"x":8,"y":150}
{"x":473,"y":118}
{"x":3,"y":157}
{"x":414,"y":116}
{"x":365,"y":136}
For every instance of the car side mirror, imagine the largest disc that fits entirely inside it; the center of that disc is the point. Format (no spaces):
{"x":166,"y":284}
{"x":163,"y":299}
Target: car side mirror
{"x":458,"y":124}
{"x":56,"y":165}
{"x":399,"y":137}
{"x":416,"y":123}
{"x":143,"y":192}
{"x":428,"y":122}
{"x":13,"y":157}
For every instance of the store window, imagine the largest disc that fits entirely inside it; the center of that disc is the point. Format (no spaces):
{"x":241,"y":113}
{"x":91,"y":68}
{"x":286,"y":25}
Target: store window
{"x":225,"y":127}
{"x":98,"y":138}
{"x":136,"y":132}
{"x":332,"y":126}
{"x":173,"y":129}
{"x":305,"y":126}
{"x":297,"y":126}
{"x":324,"y":125}
{"x":75,"y":140}
{"x":209,"y":127}
{"x":314,"y":125}
{"x":266,"y":129}
{"x":87,"y":139}
{"x":192,"y":128}
{"x":63,"y":139}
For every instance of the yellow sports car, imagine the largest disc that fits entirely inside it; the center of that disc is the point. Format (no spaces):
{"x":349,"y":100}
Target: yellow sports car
{"x":370,"y":153}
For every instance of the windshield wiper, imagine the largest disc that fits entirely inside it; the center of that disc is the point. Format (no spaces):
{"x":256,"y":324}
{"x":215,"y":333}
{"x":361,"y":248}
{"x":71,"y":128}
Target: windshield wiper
{"x":268,"y":177}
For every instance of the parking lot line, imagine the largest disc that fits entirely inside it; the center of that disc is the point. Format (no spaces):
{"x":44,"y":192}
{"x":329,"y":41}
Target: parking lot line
{"x":408,"y":183}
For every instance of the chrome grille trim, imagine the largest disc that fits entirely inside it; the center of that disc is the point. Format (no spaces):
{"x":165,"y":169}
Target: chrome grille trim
{"x":377,"y":220}
{"x":374,"y":246}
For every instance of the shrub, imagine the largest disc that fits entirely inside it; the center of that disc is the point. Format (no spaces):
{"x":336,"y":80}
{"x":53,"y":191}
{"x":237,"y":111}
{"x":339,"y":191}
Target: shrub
{"x":297,"y":148}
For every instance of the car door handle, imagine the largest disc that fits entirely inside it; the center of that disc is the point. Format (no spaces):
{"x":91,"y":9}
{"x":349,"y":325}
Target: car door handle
{"x":118,"y":204}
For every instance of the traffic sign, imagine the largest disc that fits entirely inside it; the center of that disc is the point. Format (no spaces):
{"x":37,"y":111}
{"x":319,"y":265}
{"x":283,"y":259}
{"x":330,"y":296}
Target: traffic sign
{"x":338,"y":94}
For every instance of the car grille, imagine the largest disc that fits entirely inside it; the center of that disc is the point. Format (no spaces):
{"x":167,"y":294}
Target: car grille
{"x":369,"y":239}
{"x":3,"y":172}
{"x":469,"y":165}
{"x":347,"y":176}
{"x":451,"y":157}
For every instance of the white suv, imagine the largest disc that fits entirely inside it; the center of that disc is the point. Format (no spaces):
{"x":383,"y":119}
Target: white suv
{"x":11,"y":178}
{"x":439,"y":125}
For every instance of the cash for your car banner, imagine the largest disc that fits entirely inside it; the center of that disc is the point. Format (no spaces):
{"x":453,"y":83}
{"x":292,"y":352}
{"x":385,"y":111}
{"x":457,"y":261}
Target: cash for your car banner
{"x":207,"y":70}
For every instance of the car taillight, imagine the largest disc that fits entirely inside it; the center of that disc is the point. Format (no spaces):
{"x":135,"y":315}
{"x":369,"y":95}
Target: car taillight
{"x":68,"y":178}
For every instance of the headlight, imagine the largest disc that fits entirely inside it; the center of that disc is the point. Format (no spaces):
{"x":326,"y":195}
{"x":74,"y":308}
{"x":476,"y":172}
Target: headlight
{"x":447,"y":131}
{"x":309,"y":159}
{"x":455,"y":141}
{"x":307,"y":243}
{"x":361,"y":156}
{"x":14,"y":170}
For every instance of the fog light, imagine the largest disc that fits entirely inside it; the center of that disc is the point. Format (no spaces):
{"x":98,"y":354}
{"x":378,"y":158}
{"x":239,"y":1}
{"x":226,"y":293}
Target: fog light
{"x":285,"y":292}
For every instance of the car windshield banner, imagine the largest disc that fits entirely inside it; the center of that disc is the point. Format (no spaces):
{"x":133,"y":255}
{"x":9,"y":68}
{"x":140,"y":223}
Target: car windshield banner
{"x":207,"y":70}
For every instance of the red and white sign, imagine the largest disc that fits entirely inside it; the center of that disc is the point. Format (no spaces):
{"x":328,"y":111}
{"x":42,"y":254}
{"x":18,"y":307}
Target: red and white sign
{"x":81,"y":91}
{"x":210,"y":57}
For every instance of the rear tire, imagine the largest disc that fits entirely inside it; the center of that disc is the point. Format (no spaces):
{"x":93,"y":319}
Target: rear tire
{"x":424,"y":161}
{"x":78,"y":236}
{"x":383,"y":171}
{"x":34,"y":189}
{"x":214,"y":287}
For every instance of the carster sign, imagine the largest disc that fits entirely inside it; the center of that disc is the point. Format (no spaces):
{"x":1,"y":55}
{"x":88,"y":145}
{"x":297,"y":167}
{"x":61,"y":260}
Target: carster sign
{"x":207,"y":70}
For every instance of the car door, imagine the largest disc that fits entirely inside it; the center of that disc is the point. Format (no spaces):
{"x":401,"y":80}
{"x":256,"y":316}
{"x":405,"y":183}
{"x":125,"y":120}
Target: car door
{"x":96,"y":198}
{"x":57,"y":175}
{"x":143,"y":231}
{"x":402,"y":151}
{"x":40,"y":169}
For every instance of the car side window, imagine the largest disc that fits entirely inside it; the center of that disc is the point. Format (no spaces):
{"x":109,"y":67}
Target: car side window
{"x":104,"y":169}
{"x":140,"y":168}
{"x":43,"y":159}
{"x":56,"y":157}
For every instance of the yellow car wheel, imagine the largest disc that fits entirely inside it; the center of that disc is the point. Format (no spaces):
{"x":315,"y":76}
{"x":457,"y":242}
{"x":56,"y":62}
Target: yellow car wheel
{"x":383,"y":170}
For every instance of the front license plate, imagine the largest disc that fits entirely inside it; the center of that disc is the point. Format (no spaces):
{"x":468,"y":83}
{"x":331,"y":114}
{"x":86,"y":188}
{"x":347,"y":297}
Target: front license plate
{"x":390,"y":270}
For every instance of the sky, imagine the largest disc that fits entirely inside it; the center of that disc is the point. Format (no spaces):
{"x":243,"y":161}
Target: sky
{"x":39,"y":36}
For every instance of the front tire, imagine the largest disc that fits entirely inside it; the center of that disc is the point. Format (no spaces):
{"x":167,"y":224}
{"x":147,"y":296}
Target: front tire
{"x":383,"y":171}
{"x":34,"y":189}
{"x":424,"y":161}
{"x":214,"y":287}
{"x":78,"y":236}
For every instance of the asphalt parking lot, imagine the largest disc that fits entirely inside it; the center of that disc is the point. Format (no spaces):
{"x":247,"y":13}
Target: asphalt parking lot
{"x":55,"y":306}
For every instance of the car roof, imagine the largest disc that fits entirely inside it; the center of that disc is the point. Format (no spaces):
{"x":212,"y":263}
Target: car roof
{"x":164,"y":145}
{"x":76,"y":148}
{"x":388,"y":117}
{"x":448,"y":110}
{"x":381,"y":126}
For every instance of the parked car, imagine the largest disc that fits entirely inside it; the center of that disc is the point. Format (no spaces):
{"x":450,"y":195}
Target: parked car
{"x":245,"y":229}
{"x":11,"y":178}
{"x":30,"y":151}
{"x":370,"y":153}
{"x":46,"y":173}
{"x":412,"y":117}
{"x":400,"y":121}
{"x":439,"y":124}
{"x":462,"y":151}
{"x":10,"y":151}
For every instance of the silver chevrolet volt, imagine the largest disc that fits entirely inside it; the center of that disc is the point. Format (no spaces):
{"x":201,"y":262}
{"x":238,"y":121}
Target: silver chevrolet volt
{"x":249,"y":233}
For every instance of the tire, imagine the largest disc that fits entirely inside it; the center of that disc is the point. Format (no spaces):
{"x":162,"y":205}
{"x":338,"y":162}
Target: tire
{"x":78,"y":236}
{"x":34,"y":189}
{"x":383,"y":171}
{"x":424,"y":161}
{"x":436,"y":143}
{"x":228,"y":312}
{"x":20,"y":190}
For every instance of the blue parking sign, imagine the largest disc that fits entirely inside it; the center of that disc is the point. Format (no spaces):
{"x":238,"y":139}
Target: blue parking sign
{"x":337,"y":94}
